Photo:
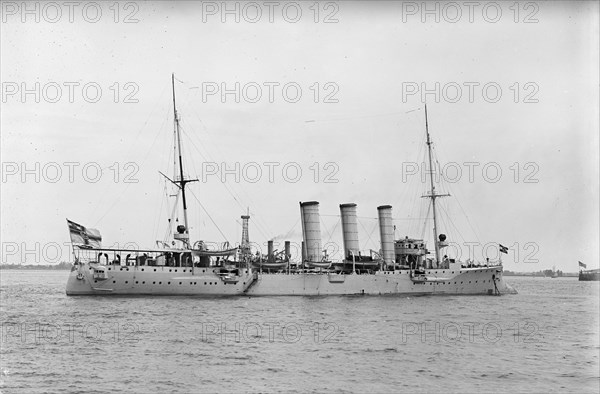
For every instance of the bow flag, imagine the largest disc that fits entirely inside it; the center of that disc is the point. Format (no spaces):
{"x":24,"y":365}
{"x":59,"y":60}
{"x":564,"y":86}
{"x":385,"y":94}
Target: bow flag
{"x":84,"y":236}
{"x":503,"y":249}
{"x":582,"y":265}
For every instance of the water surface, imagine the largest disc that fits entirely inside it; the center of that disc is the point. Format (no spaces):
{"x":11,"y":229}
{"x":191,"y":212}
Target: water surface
{"x":544,"y":339}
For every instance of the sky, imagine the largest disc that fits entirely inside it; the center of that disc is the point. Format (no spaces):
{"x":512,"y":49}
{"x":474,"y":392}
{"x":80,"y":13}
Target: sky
{"x":285,"y":102}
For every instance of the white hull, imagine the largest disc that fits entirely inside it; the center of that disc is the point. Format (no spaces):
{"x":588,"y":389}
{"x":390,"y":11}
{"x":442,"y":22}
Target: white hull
{"x":204,"y":282}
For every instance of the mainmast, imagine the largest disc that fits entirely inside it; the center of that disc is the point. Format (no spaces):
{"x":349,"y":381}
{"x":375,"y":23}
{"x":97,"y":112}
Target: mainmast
{"x":432,"y":194}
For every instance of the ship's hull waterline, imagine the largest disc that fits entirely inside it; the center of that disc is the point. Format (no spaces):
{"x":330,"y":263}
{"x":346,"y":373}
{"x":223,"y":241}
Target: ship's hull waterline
{"x":163,"y":281}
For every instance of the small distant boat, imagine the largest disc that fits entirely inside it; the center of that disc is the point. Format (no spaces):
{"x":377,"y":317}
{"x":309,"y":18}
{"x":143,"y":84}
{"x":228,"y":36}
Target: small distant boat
{"x":588,"y":275}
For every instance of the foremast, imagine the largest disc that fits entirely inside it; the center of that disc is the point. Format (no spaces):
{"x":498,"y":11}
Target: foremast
{"x":182,"y":233}
{"x":432,"y":194}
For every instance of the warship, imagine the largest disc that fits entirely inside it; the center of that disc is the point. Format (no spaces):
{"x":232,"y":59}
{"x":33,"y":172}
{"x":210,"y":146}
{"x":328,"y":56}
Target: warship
{"x":402,"y":266}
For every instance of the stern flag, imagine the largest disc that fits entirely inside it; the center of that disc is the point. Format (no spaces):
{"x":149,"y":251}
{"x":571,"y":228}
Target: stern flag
{"x":503,"y":249}
{"x":84,"y":236}
{"x":582,"y":265}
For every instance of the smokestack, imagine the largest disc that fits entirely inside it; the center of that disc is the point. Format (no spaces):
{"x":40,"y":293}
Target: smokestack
{"x":349,"y":229}
{"x":311,"y":230}
{"x":270,"y":257}
{"x":386,"y":233}
{"x":287,"y":251}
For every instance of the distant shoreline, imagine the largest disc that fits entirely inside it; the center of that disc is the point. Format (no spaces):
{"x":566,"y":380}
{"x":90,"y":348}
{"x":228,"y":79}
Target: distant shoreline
{"x":64,"y":266}
{"x":570,"y":275}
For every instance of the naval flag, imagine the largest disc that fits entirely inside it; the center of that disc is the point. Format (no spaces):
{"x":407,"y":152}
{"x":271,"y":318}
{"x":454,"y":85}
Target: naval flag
{"x":503,"y":249}
{"x":582,"y":265}
{"x":84,"y":236}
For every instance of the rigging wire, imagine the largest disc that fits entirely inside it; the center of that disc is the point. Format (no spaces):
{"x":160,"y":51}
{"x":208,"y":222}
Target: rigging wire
{"x":457,"y":199}
{"x":210,"y":217}
{"x":231,"y":192}
{"x":129,"y":183}
{"x":288,"y":234}
{"x":258,"y":218}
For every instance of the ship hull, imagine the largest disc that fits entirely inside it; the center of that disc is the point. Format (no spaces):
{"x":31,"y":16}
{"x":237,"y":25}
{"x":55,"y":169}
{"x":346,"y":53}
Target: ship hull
{"x":205,"y":282}
{"x":589,"y":276}
{"x":468,"y":281}
{"x":155,"y":281}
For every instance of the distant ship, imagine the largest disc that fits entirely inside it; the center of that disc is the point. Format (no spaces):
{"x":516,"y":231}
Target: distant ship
{"x":401,"y":266}
{"x":588,"y":275}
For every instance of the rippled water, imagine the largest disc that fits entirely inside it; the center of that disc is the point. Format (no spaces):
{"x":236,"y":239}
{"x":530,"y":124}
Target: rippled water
{"x":545,"y":339}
